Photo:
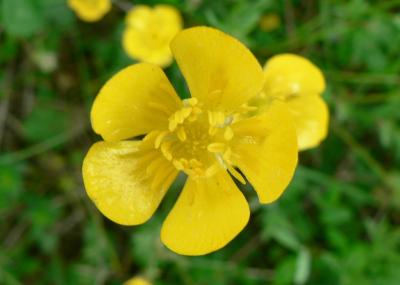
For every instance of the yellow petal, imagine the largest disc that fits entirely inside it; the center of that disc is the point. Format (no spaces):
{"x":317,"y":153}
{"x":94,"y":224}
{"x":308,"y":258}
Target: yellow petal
{"x":133,"y":102}
{"x":90,"y":11}
{"x":138,"y":48}
{"x":311,"y":116}
{"x":266,"y":151}
{"x":289,"y":74}
{"x":138,"y":17}
{"x":116,"y":180}
{"x":209,"y":213}
{"x":149,"y":32}
{"x":137,"y":280}
{"x":220,"y":71}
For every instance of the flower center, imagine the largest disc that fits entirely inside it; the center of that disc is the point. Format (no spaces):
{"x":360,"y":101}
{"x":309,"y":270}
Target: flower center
{"x":198,"y":141}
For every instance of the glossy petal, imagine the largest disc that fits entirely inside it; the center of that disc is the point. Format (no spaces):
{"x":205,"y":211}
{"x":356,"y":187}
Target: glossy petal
{"x":208,"y":214}
{"x":289,"y":74}
{"x":266,"y":151}
{"x":149,"y":32}
{"x":90,"y":11}
{"x":311,"y":116}
{"x":219,"y":70}
{"x":117,"y":179}
{"x":136,"y":46}
{"x":135,"y":101}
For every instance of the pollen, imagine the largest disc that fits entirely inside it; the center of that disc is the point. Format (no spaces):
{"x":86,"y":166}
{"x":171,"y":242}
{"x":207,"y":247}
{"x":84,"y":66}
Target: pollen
{"x":197,"y":141}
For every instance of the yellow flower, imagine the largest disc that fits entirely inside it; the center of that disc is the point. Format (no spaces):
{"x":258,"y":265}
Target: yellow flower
{"x":299,"y":83}
{"x":90,"y":10}
{"x":137,"y":281}
{"x":149,"y":32}
{"x":206,"y":137}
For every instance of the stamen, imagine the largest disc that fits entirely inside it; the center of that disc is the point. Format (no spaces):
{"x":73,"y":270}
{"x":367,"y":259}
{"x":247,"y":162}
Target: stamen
{"x":172,"y":124}
{"x":190,"y":102}
{"x":181,"y":134}
{"x":177,"y":164}
{"x":220,"y":118}
{"x":159,"y":139}
{"x":166,"y":149}
{"x":216,"y":147}
{"x":189,"y":146}
{"x":213,"y":169}
{"x":228,"y":134}
{"x":227,"y":155}
{"x":211,"y":118}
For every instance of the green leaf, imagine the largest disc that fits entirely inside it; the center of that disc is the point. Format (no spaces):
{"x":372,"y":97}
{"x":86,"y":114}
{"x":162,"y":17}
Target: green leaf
{"x":22,"y":18}
{"x":45,"y":122}
{"x":10,"y":186}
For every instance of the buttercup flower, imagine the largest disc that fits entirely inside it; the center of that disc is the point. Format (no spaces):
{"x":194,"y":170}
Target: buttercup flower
{"x":137,"y":281}
{"x":149,"y":32}
{"x":206,"y":137}
{"x":90,"y":10}
{"x":299,"y":83}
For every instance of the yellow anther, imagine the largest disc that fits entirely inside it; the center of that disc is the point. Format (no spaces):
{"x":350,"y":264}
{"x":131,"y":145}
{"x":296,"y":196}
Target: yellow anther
{"x":190,"y":102}
{"x":197,"y":110}
{"x":216,"y":147}
{"x":236,"y":174}
{"x":227,"y":155}
{"x":179,"y":116}
{"x":210,"y":171}
{"x":186,"y":111}
{"x":166,"y":149}
{"x":228,"y":134}
{"x":178,"y":164}
{"x":211,"y":118}
{"x":172,"y":124}
{"x":159,"y":139}
{"x":181,"y":134}
{"x":219,"y":118}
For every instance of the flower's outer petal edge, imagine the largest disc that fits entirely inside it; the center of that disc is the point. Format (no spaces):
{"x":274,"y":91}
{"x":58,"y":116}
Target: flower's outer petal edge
{"x":116,"y":180}
{"x":290,"y":74}
{"x":90,"y":13}
{"x":209,"y":213}
{"x":219,"y":70}
{"x":265,"y":150}
{"x":135,"y":101}
{"x":311,"y":119}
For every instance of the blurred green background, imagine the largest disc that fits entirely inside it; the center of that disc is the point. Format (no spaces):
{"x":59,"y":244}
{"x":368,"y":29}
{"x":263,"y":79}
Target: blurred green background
{"x":338,"y":223}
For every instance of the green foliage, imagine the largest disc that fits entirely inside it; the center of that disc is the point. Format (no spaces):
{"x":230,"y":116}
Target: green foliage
{"x":21,"y":18}
{"x":337,"y":223}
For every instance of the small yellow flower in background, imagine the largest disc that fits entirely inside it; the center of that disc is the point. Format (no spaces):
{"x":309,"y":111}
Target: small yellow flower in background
{"x":299,"y":83}
{"x":270,"y":22}
{"x":137,"y":280}
{"x":90,"y":10}
{"x":149,"y":32}
{"x":206,"y":137}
